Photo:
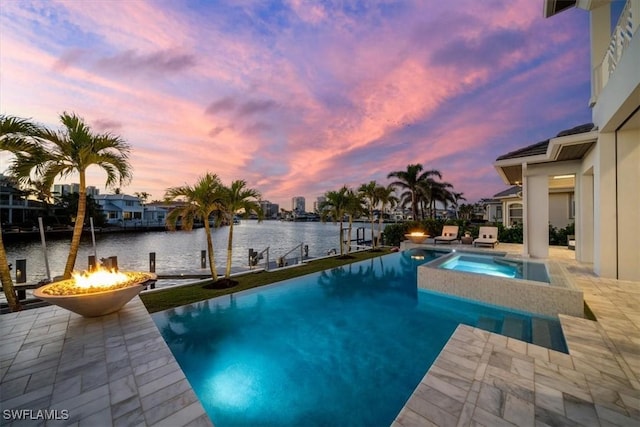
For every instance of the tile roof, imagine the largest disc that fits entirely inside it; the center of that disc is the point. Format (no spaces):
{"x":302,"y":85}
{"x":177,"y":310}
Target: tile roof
{"x":541,"y":147}
{"x":511,"y":191}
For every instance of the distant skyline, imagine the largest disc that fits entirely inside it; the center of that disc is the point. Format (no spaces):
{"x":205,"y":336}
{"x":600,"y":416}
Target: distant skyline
{"x":299,"y":98}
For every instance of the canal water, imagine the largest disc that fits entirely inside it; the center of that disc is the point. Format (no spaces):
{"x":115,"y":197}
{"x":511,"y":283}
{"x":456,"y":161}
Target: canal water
{"x":179,"y":252}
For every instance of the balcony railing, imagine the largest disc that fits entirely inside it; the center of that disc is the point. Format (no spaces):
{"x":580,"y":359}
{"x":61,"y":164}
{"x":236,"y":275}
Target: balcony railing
{"x":623,"y":32}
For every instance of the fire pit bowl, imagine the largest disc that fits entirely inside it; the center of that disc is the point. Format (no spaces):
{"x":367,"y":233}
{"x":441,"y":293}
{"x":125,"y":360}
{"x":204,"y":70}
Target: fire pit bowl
{"x":96,"y":299}
{"x":416,"y":236}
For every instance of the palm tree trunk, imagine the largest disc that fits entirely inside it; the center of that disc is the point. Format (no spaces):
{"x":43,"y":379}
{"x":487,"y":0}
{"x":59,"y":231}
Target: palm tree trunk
{"x":5,"y":278}
{"x":380,"y":222}
{"x":212,"y":262}
{"x":227,"y":273}
{"x":414,"y":206}
{"x":373,"y":240}
{"x":341,"y":239}
{"x":349,"y":234}
{"x":77,"y":228}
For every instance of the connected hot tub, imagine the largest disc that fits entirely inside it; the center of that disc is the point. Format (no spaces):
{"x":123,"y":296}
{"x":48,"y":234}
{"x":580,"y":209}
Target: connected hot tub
{"x":534,"y":286}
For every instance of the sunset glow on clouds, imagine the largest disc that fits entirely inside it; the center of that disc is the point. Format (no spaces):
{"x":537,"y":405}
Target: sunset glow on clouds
{"x":299,"y":97}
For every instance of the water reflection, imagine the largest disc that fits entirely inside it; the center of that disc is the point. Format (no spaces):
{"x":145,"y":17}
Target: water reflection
{"x":198,"y":327}
{"x":392,"y":273}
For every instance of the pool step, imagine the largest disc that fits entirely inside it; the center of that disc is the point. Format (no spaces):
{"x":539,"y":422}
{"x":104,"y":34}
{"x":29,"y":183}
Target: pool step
{"x":489,"y":324}
{"x":513,"y":327}
{"x":541,"y":332}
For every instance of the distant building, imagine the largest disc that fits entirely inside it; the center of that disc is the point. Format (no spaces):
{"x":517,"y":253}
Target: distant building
{"x":61,"y":190}
{"x":270,"y":210}
{"x":92,"y":191}
{"x":64,"y":189}
{"x":319,"y":201}
{"x":298,"y":204}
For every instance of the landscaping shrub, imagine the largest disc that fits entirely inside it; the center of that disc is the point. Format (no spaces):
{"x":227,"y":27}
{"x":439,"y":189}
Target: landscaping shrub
{"x":394,"y":233}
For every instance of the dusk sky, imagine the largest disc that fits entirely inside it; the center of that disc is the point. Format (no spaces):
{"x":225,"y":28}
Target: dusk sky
{"x":299,"y":97}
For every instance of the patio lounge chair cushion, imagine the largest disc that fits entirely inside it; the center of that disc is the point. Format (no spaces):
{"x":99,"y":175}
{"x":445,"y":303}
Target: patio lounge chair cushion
{"x":449,"y":234}
{"x":487,"y":236}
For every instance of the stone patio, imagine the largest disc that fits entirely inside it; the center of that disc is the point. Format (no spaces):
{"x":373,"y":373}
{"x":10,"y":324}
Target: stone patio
{"x":117,"y":370}
{"x":111,"y":370}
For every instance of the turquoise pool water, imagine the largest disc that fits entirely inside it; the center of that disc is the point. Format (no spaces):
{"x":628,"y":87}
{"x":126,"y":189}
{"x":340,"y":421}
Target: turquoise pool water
{"x":495,"y":266}
{"x":342,"y":347}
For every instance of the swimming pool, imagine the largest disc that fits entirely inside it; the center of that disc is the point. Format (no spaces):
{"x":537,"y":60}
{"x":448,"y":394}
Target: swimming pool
{"x":345,"y":346}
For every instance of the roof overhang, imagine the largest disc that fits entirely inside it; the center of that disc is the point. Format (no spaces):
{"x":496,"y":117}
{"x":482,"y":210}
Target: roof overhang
{"x":553,"y":7}
{"x":560,"y":149}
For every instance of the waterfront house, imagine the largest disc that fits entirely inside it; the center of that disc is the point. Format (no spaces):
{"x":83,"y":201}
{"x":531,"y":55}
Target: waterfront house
{"x":121,"y":209}
{"x":602,"y":159}
{"x":15,"y":207}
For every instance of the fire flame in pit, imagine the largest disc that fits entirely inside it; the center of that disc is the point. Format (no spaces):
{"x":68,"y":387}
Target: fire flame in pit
{"x":416,"y":233}
{"x":98,"y":278}
{"x":96,"y":281}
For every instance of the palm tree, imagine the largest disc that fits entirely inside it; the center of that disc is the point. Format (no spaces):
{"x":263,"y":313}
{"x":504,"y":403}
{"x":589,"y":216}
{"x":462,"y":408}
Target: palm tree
{"x":201,"y":201}
{"x":16,"y":136}
{"x":370,"y":195}
{"x":353,"y":209}
{"x":334,"y":206}
{"x":466,"y":211}
{"x":235,"y":198}
{"x":386,"y":197}
{"x":74,"y":150}
{"x":142,"y":196}
{"x":409,"y":181}
{"x":435,"y":191}
{"x":456,"y":200}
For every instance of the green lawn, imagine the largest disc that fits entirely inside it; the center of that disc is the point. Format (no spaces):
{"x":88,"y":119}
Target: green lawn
{"x":181,"y":295}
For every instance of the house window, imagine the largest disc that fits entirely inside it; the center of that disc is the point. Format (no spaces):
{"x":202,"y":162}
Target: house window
{"x":128,"y":202}
{"x":515,"y":213}
{"x":112,"y":215}
{"x":126,"y":215}
{"x":499,"y":213}
{"x":137,"y":215}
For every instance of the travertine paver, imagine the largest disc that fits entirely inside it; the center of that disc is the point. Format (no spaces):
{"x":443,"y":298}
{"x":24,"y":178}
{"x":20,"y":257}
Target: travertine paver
{"x":503,"y":381}
{"x":111,"y":370}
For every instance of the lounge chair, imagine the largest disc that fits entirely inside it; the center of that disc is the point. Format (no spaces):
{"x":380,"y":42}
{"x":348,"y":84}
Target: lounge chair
{"x":487,"y":236}
{"x":449,"y":234}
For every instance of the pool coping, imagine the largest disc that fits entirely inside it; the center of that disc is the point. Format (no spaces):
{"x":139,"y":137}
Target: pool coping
{"x":118,"y":370}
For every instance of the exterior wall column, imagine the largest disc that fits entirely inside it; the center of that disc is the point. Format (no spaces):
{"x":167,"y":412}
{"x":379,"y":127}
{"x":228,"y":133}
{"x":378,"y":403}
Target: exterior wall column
{"x":525,"y":213}
{"x":536,"y":215}
{"x":584,"y":217}
{"x":605,"y":216}
{"x":628,"y":204}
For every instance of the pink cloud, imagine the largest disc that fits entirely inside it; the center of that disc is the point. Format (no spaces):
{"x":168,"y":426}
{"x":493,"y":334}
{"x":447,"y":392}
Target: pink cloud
{"x":330,"y":97}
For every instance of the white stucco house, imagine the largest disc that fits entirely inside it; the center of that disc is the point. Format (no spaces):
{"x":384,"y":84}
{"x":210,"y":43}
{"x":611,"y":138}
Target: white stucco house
{"x":506,"y":207}
{"x":602,"y":159}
